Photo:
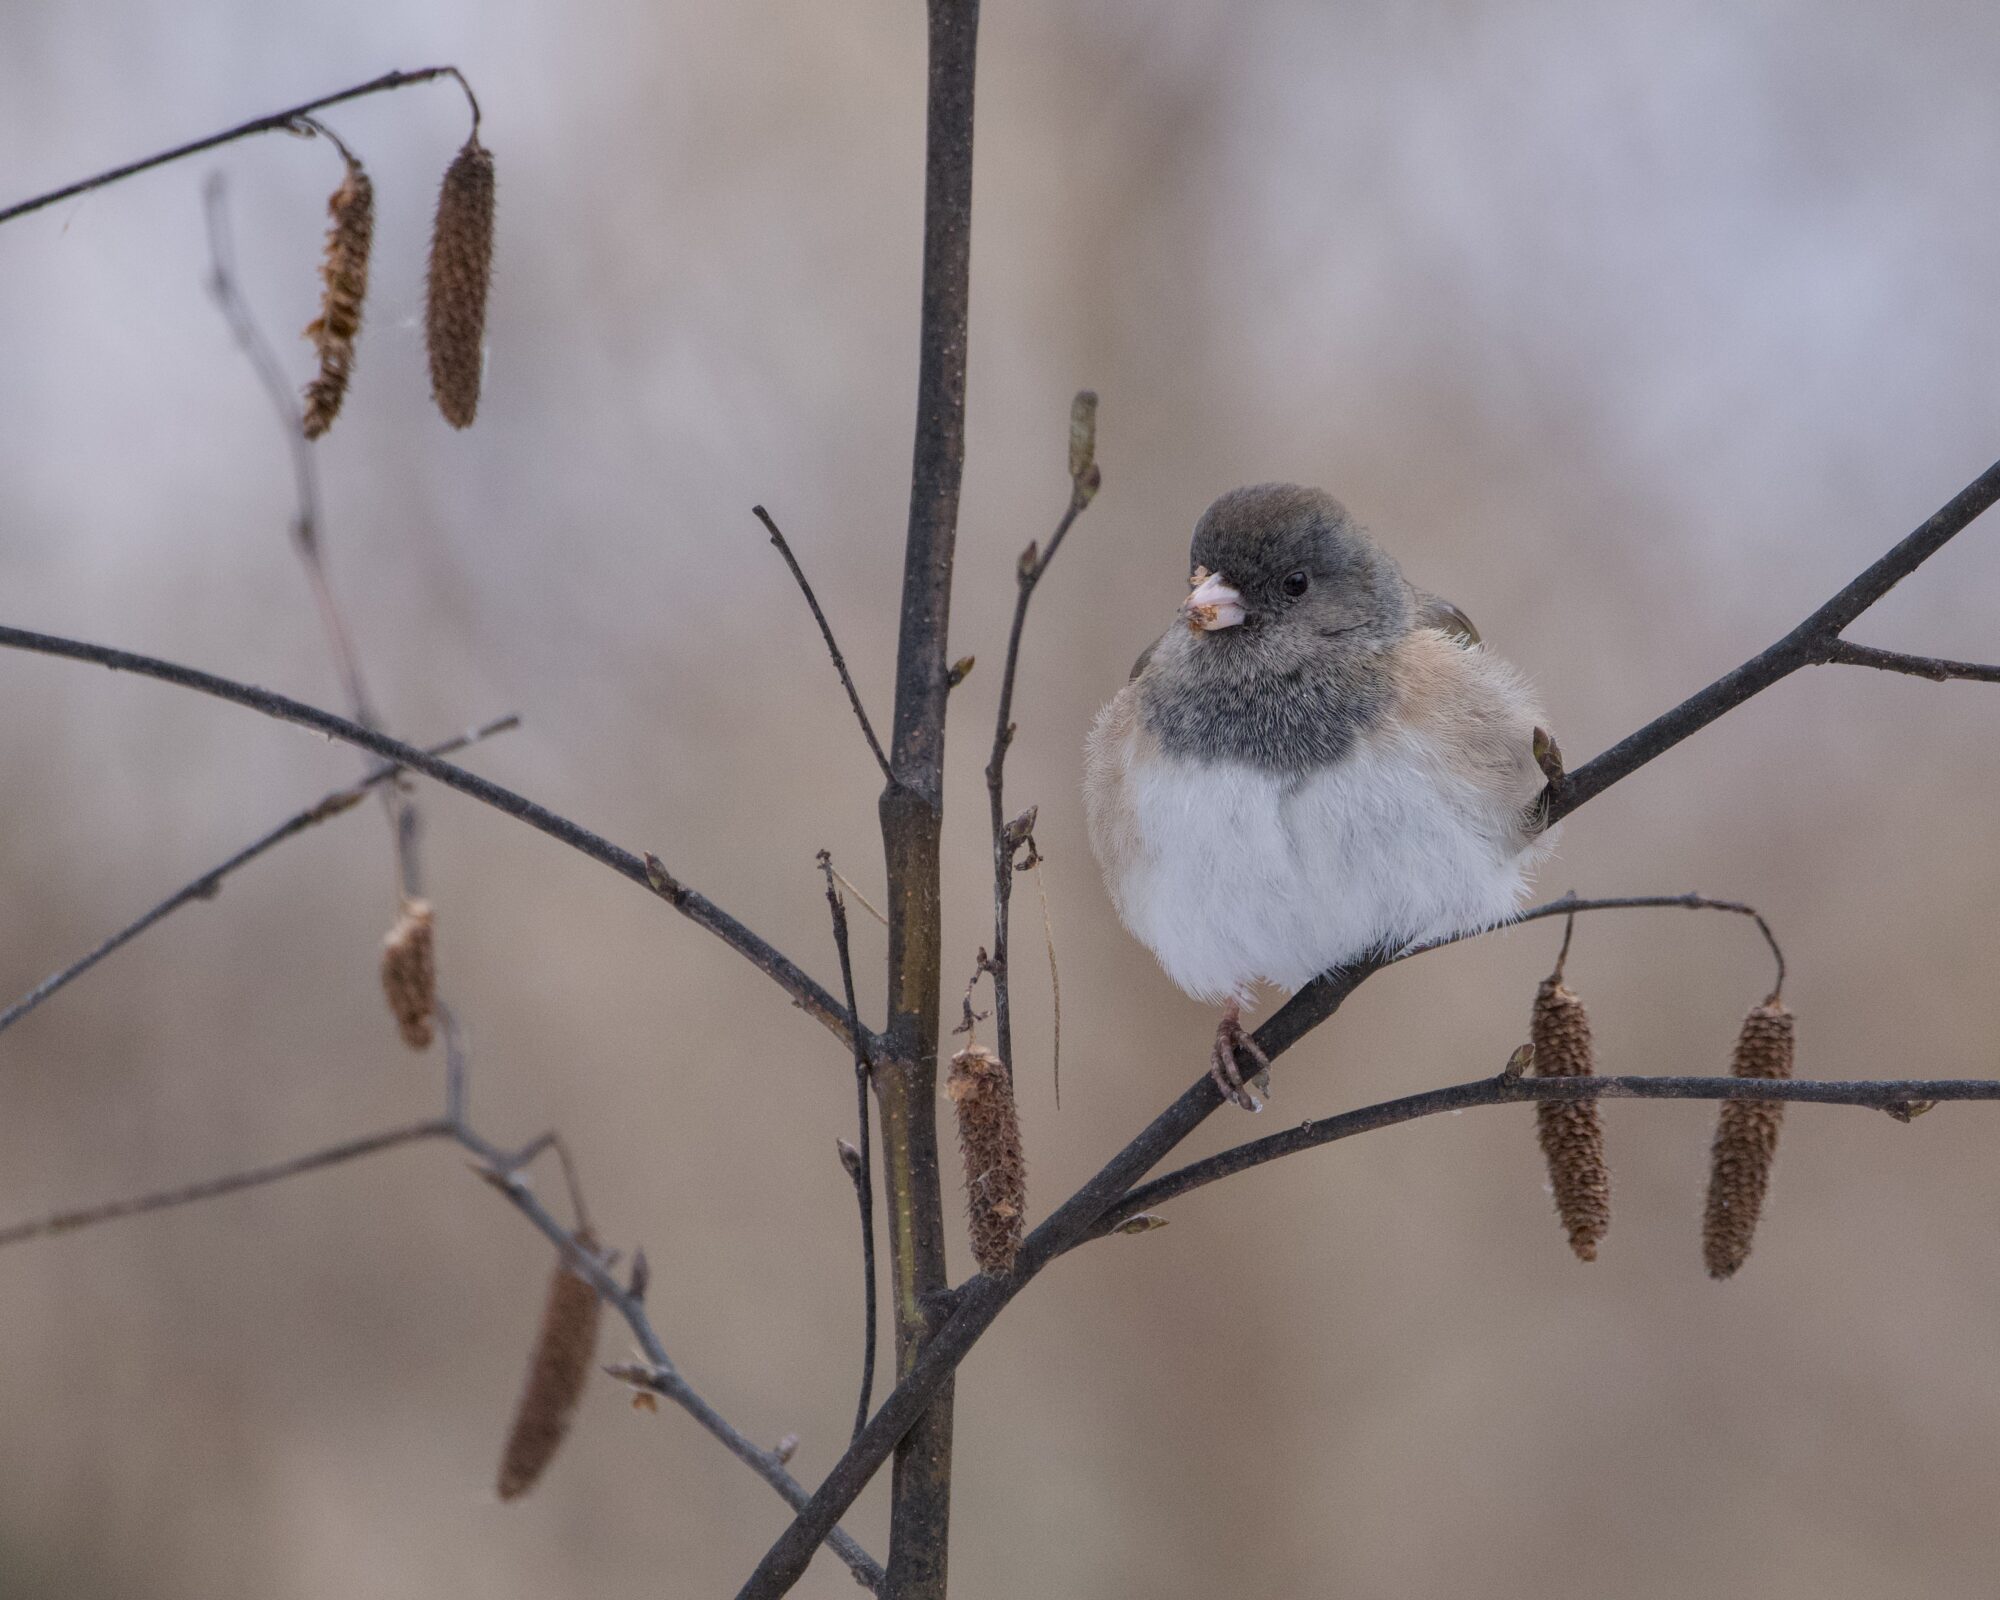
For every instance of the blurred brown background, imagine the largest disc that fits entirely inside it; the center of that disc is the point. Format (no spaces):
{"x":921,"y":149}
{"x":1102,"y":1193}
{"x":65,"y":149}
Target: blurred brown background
{"x":1637,"y":330}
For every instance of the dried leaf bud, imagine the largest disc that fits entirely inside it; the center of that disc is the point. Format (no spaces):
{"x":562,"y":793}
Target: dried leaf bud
{"x":850,"y":1158}
{"x":409,"y":973}
{"x":787,"y":1447}
{"x":1746,"y":1141}
{"x":1572,"y":1136}
{"x":556,"y":1373}
{"x":345,"y":272}
{"x":1141,"y":1222}
{"x":1083,"y":436}
{"x":961,"y":669}
{"x":645,"y":1400}
{"x":989,"y":1133}
{"x":461,"y":268}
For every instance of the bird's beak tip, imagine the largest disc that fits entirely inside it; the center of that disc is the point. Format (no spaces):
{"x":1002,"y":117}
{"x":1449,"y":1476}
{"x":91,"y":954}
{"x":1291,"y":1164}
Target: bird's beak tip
{"x":1212,"y":603}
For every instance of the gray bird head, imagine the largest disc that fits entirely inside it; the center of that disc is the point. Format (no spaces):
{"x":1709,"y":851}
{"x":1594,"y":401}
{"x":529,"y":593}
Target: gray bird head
{"x":1281,"y":572}
{"x":1282,"y":657}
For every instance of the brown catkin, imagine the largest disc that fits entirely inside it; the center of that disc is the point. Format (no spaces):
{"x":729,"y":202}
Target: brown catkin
{"x":1572,"y":1136}
{"x":557,"y":1371}
{"x":1746,"y":1141}
{"x":409,"y":973}
{"x":461,"y":266}
{"x":345,"y":271}
{"x":996,"y":1176}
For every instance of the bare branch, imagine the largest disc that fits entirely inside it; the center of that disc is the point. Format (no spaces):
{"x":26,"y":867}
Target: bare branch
{"x":273,"y":123}
{"x":230,"y":1183}
{"x":1893,"y":1097}
{"x":1817,"y":639}
{"x":1936,"y":668}
{"x":1084,"y":479}
{"x":1569,"y":905}
{"x":209,"y":884}
{"x":826,"y":633}
{"x":860,"y":1169}
{"x":807,"y":994}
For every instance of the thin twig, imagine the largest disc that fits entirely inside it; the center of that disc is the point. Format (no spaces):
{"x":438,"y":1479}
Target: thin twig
{"x":862,"y":1169}
{"x":1875,"y":1095}
{"x":1569,"y":904}
{"x":227,"y":291}
{"x":230,"y":1183}
{"x":976,"y":1303}
{"x":275,"y":122}
{"x":826,"y":633}
{"x":807,"y":994}
{"x":1084,"y":479}
{"x":209,"y":884}
{"x":1936,"y":668}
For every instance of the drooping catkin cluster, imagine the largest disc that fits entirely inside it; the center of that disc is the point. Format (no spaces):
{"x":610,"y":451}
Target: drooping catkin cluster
{"x":557,"y":1371}
{"x":345,"y":271}
{"x":461,"y":267}
{"x":1746,"y":1141}
{"x":1572,"y":1136}
{"x":409,"y":973}
{"x":996,"y":1176}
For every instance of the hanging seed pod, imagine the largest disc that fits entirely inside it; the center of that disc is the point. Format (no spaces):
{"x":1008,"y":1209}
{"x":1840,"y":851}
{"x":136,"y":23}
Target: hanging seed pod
{"x":461,"y":268}
{"x":1572,"y":1136}
{"x":989,"y":1133}
{"x":345,"y":273}
{"x":557,"y":1370}
{"x":409,"y":973}
{"x":1746,"y":1141}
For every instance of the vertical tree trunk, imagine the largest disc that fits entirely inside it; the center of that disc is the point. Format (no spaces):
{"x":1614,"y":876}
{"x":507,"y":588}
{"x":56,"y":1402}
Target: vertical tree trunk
{"x":912,"y":806}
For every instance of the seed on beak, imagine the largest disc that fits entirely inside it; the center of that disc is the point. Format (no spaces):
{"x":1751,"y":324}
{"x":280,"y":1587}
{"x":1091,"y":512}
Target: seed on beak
{"x":1212,"y":604}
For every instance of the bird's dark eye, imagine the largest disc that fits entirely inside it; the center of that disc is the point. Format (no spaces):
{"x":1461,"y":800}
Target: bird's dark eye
{"x":1296,"y":583}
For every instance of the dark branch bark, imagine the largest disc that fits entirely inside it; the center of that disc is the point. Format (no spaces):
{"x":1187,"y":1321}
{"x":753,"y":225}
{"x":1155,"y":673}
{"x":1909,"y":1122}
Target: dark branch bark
{"x":912,"y":807}
{"x":1936,"y":668}
{"x":1007,"y":841}
{"x":271,"y":123}
{"x":826,"y":633}
{"x":978,"y":1302}
{"x":807,"y":994}
{"x":1875,"y":1095}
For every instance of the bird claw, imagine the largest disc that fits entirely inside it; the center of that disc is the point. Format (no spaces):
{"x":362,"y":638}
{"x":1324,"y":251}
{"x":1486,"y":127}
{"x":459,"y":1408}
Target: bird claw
{"x":1230,"y":1037}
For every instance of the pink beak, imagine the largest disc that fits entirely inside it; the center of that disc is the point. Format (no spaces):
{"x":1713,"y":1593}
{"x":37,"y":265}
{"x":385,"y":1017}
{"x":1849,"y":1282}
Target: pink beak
{"x":1213,"y":604}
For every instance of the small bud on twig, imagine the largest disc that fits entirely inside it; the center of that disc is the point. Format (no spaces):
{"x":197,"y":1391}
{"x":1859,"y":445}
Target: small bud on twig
{"x":961,"y":669}
{"x":989,"y":1134}
{"x":409,"y":973}
{"x":1141,"y":1222}
{"x":557,"y":1371}
{"x":850,"y":1158}
{"x":345,"y":272}
{"x":1519,"y":1062}
{"x":1572,"y":1136}
{"x":1746,"y":1141}
{"x":642,"y":1276}
{"x":1083,"y":440}
{"x":461,"y":268}
{"x":786,"y":1448}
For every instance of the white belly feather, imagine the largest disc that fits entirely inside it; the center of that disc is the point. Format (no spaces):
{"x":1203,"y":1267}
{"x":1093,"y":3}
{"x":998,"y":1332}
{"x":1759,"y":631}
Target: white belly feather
{"x":1230,"y":873}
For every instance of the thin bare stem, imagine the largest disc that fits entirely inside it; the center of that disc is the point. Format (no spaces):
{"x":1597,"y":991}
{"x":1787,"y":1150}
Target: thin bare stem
{"x":1936,"y":668}
{"x":1875,"y":1094}
{"x":209,"y":884}
{"x":1569,"y":905}
{"x":1008,"y":837}
{"x":227,"y":291}
{"x":275,"y":122}
{"x":230,"y":1183}
{"x":807,"y":994}
{"x":826,"y":633}
{"x":862,"y":1168}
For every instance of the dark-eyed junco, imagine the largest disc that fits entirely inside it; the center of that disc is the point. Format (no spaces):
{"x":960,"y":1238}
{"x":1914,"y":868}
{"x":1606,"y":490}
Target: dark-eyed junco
{"x":1317,"y":762}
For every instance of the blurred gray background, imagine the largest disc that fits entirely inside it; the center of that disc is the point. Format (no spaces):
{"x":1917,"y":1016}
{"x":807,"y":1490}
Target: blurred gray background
{"x":1637,"y":330}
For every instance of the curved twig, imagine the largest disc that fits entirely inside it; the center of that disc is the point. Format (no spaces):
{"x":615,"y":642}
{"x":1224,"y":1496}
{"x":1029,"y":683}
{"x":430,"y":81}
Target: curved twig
{"x":806,"y":993}
{"x":276,"y":121}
